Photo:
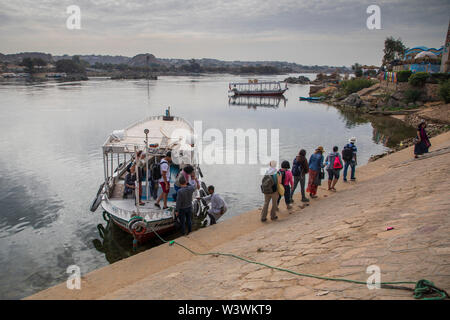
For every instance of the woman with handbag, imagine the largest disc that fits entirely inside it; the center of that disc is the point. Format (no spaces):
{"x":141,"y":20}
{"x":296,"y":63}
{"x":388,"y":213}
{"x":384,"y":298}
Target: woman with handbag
{"x":315,"y":166}
{"x":287,"y":182}
{"x":422,"y":141}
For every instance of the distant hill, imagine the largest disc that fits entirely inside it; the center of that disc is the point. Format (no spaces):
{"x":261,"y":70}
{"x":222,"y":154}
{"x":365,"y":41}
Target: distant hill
{"x":208,"y":64}
{"x":18,"y":57}
{"x":92,"y":59}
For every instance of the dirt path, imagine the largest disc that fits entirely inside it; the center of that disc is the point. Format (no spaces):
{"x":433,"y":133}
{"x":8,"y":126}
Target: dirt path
{"x":338,"y":235}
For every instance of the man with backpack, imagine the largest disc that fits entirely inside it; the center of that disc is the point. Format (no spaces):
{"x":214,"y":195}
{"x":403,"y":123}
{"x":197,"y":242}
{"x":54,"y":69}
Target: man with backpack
{"x":299,"y":170}
{"x":164,"y":179}
{"x":269,"y":188}
{"x":334,"y":166}
{"x":349,"y":156}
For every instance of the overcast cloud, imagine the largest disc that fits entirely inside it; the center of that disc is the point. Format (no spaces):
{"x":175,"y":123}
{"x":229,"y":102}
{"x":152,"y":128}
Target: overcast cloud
{"x":307,"y":32}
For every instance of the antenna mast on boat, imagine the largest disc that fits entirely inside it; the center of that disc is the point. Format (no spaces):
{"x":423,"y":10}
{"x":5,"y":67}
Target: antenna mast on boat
{"x":147,"y":186}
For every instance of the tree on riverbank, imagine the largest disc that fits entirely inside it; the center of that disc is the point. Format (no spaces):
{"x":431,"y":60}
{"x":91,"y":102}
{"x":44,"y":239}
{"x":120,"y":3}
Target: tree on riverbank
{"x":394,"y":49}
{"x":357,"y":69}
{"x":70,"y":66}
{"x":30,"y":63}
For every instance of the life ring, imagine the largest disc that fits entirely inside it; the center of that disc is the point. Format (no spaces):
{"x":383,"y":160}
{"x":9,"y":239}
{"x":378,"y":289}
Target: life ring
{"x":97,"y":199}
{"x":137,"y":226}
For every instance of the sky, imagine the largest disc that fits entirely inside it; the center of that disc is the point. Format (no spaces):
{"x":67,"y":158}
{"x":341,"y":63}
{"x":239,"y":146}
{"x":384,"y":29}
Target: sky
{"x":309,"y":32}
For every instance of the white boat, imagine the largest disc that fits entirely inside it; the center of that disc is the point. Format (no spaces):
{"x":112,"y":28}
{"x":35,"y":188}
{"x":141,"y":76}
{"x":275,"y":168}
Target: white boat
{"x":154,"y":136}
{"x":257,"y":88}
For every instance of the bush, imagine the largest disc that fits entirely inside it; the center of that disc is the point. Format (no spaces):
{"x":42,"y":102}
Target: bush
{"x":412,"y":95}
{"x":354,"y":85}
{"x":439,"y":77}
{"x":418,"y":79}
{"x":69,"y":66}
{"x":444,"y":91}
{"x":403,"y":76}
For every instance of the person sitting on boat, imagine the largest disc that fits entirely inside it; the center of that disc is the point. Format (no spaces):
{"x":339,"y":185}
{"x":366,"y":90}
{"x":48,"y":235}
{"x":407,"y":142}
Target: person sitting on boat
{"x":218,"y":205}
{"x":164,"y":181}
{"x":130,"y":182}
{"x":183,"y":208}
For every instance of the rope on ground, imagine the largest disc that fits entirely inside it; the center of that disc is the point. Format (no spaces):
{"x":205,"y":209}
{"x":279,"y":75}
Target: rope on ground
{"x":422,"y":288}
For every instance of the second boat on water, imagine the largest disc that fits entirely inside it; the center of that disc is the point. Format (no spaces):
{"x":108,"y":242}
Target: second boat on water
{"x":257,"y":88}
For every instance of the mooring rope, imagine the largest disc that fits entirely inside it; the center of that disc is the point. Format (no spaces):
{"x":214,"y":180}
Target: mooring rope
{"x":422,"y":288}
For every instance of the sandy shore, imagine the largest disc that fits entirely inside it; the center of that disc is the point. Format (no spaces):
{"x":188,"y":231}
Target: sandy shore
{"x":339,"y":235}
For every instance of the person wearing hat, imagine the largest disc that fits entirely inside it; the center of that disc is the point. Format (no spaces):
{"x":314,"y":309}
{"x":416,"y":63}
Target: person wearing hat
{"x":287,"y":181}
{"x":164,"y":181}
{"x":315,"y":165}
{"x":349,"y":157}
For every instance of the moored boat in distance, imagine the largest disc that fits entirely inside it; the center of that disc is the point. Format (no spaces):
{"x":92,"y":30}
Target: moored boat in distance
{"x":154,"y":137}
{"x":311,"y":98}
{"x":257,"y":88}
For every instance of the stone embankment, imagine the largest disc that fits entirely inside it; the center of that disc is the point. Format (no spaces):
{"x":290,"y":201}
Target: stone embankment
{"x":338,"y":235}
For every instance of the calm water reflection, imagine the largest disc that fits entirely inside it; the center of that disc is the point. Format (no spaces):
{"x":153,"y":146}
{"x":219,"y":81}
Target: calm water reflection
{"x":51,"y":164}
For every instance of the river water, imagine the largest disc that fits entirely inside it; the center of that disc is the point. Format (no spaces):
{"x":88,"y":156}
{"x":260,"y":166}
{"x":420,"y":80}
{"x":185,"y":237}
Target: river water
{"x":51,"y":161}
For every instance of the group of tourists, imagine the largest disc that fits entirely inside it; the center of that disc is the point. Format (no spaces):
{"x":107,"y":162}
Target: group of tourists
{"x":283,"y":182}
{"x":186,"y":183}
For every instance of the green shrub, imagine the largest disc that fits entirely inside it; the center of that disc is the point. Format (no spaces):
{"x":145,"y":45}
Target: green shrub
{"x":439,"y":77}
{"x":412,"y":95}
{"x":319,"y":94}
{"x":444,"y":91}
{"x":418,"y":79}
{"x":403,"y":76}
{"x":354,"y":85}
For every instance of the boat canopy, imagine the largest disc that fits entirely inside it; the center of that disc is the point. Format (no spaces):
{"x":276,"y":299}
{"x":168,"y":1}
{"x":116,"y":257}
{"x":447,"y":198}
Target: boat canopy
{"x":254,"y":83}
{"x":163,"y":133}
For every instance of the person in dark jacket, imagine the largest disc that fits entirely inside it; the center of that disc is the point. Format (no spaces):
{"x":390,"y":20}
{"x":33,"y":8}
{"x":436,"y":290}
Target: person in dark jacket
{"x":300,"y":169}
{"x":183,"y":208}
{"x":423,"y":142}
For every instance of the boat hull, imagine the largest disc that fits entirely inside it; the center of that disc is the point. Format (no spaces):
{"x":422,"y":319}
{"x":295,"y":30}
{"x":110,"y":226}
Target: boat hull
{"x":259,"y":93}
{"x":148,"y":235}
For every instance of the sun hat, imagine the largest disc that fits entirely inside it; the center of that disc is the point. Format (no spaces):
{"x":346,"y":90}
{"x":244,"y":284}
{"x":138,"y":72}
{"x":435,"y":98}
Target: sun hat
{"x":352,"y":139}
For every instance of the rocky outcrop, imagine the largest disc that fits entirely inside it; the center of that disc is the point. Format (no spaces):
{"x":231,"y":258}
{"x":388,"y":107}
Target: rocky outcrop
{"x":353,"y":100}
{"x":143,"y":60}
{"x":369,"y":90}
{"x":299,"y":80}
{"x":315,"y":89}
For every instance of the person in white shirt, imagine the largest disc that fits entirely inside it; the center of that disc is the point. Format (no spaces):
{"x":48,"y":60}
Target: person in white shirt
{"x":164,"y":181}
{"x":218,"y":205}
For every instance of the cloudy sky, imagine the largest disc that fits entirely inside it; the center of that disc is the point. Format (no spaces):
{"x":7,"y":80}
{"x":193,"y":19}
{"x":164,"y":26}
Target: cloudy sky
{"x":321,"y":32}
